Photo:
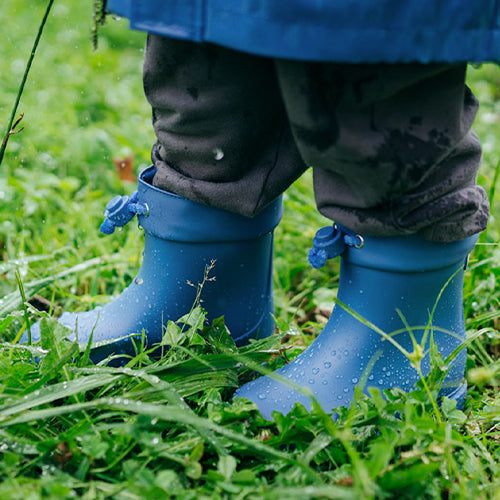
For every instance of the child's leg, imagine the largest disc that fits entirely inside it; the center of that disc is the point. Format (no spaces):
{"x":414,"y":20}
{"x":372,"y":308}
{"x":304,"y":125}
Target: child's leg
{"x":391,"y":145}
{"x":223,"y":136}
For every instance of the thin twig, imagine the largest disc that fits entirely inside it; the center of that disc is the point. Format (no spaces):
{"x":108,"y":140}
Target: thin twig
{"x":11,"y":126}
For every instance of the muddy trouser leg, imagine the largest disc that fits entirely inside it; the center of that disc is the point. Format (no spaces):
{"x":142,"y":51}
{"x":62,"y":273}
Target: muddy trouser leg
{"x":391,"y":146}
{"x":223,"y":138}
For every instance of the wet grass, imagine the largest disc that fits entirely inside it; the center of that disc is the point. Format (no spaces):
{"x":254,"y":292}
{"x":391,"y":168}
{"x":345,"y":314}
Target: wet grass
{"x":165,"y":429}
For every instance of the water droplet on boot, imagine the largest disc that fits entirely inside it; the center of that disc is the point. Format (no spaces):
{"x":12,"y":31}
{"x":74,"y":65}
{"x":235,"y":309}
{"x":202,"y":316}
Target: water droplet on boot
{"x":354,"y":380}
{"x":315,"y":371}
{"x":262,"y":396}
{"x":139,"y":281}
{"x":327,"y":364}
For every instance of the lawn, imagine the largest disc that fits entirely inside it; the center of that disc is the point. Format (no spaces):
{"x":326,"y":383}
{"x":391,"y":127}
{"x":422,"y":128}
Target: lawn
{"x":167,"y":428}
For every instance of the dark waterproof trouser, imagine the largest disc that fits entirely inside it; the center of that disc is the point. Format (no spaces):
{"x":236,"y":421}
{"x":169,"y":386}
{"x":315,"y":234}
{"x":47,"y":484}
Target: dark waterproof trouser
{"x":391,"y":146}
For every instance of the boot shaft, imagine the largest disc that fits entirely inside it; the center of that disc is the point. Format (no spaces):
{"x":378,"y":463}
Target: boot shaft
{"x":407,"y":286}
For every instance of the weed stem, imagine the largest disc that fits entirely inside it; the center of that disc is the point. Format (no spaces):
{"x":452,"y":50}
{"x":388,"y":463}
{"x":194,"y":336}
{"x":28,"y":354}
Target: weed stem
{"x":10,"y":127}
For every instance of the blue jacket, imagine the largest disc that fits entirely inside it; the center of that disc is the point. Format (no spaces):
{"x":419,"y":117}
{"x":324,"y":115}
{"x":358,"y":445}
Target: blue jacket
{"x":329,"y":30}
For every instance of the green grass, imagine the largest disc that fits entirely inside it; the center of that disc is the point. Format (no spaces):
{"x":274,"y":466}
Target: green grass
{"x":165,"y":429}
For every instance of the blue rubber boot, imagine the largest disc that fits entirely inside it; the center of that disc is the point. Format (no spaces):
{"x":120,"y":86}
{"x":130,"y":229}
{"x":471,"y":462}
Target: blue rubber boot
{"x":182,"y":238}
{"x":382,"y":280}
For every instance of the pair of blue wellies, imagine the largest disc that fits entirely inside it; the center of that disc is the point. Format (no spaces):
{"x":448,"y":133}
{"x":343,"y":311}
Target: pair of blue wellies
{"x":396,"y":295}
